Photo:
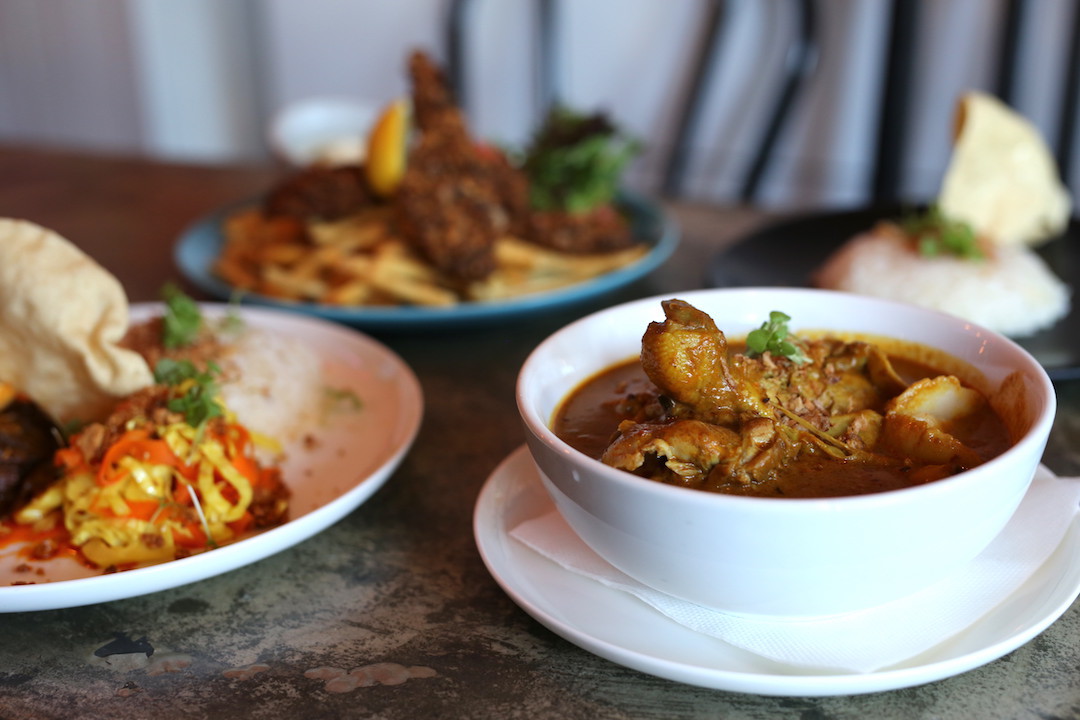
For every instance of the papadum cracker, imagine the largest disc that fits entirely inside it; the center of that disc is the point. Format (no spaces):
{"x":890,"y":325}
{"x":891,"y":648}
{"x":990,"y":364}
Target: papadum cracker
{"x":1002,"y":179}
{"x":61,"y":318}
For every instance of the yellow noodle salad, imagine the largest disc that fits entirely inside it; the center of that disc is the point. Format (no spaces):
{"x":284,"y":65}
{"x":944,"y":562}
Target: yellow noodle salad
{"x":148,"y":486}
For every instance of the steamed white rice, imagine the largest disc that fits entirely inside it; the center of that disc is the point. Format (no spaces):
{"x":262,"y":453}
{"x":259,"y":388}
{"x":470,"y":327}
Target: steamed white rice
{"x":1012,"y":292}
{"x":274,"y":385}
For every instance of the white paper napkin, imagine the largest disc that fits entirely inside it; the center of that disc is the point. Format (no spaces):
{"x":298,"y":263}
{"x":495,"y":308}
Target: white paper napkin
{"x":862,"y":641}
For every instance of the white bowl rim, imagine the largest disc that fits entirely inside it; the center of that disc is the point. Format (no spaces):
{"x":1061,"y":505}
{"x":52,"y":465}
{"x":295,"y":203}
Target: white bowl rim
{"x":1036,"y":434}
{"x":291,"y":123}
{"x":322,"y":103}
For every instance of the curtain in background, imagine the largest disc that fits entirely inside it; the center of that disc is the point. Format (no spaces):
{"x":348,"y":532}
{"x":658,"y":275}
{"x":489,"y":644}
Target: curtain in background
{"x":199,"y":80}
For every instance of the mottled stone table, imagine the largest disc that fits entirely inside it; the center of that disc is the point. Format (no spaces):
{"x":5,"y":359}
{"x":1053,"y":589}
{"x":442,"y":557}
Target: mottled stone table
{"x":398,"y":587}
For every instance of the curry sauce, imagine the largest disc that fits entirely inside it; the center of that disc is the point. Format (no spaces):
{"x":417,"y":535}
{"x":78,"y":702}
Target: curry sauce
{"x":852,"y":420}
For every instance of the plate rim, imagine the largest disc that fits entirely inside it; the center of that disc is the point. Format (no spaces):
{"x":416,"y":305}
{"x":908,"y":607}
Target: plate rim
{"x":77,"y":592}
{"x":492,"y":539}
{"x":201,"y":240}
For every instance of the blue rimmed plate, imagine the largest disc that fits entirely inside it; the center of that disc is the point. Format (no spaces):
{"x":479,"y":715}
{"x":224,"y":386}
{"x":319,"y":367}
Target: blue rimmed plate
{"x":200,"y":245}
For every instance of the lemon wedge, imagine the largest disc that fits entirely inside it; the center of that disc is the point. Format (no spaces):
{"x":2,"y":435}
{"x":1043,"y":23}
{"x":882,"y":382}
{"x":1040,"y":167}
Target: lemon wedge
{"x":386,"y":149}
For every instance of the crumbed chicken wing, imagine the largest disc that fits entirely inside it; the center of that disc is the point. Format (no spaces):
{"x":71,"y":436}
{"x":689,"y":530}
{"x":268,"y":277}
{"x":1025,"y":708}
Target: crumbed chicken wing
{"x":455,"y":198}
{"x":319,"y":194}
{"x":602,"y":230}
{"x":434,"y":109}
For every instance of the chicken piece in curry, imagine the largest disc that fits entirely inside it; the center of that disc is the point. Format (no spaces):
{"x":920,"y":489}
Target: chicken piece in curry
{"x":825,"y":417}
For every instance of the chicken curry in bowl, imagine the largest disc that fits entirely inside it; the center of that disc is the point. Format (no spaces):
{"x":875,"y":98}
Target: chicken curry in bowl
{"x":779,"y":415}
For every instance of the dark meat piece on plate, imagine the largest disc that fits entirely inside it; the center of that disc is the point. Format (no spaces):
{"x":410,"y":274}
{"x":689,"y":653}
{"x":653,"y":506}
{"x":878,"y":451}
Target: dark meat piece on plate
{"x":319,"y":193}
{"x":28,"y":441}
{"x":598,"y":231}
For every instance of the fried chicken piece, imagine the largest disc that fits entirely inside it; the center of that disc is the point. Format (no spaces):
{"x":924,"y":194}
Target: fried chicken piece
{"x":602,"y":230}
{"x":456,"y":198}
{"x":512,"y":186}
{"x":319,"y":193}
{"x":434,"y":109}
{"x":436,"y":113}
{"x":446,"y":212}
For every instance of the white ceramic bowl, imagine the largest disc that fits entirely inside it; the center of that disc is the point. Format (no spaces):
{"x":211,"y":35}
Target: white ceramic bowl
{"x":325,"y":130}
{"x":782,"y":557}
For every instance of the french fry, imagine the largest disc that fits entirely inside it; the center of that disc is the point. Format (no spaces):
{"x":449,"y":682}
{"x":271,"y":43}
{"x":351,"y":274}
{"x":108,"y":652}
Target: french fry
{"x":362,"y":231}
{"x":283,"y":283}
{"x":356,"y":266}
{"x":358,"y":261}
{"x":355,"y":292}
{"x":525,"y":268}
{"x":282,"y":254}
{"x":236,"y":273}
{"x":403,"y":276}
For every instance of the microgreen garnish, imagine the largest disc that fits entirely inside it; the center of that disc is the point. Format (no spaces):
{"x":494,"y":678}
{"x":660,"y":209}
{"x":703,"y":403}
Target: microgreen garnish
{"x":344,"y":397}
{"x":194,"y":391}
{"x":935,"y":234}
{"x":210,"y":542}
{"x":772,"y":337}
{"x":575,"y":162}
{"x":233,"y":322}
{"x":182,"y":320}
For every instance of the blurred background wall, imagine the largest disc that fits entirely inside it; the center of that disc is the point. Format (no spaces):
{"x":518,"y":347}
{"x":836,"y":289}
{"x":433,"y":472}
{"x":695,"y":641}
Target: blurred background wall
{"x":198,"y":80}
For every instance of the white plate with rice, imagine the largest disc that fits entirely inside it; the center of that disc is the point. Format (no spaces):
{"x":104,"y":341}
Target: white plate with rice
{"x":791,"y":251}
{"x":316,"y":387}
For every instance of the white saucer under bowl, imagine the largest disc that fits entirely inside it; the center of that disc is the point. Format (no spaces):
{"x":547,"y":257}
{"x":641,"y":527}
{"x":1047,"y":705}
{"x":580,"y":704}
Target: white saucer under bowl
{"x":620,"y":628}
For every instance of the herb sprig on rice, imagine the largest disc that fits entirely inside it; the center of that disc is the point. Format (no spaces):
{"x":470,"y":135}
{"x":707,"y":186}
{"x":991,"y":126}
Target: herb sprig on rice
{"x":935,"y":234}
